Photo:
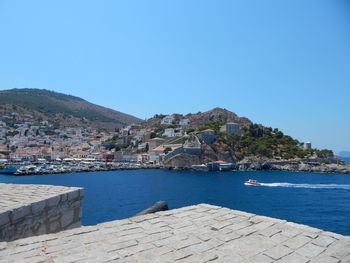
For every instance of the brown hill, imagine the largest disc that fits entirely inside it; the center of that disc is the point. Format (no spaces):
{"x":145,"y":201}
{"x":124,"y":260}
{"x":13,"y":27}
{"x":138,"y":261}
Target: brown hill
{"x":202,"y":118}
{"x":64,"y":109}
{"x":216,"y":114}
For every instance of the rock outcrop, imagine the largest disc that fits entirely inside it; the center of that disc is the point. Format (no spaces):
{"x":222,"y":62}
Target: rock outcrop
{"x":295,"y":166}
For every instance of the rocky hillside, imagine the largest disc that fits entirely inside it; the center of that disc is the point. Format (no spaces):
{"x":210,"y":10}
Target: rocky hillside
{"x":64,"y":109}
{"x":217,"y":115}
{"x":202,"y":118}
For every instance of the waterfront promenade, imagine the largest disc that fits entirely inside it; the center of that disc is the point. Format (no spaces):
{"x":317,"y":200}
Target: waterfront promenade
{"x":199,"y":233}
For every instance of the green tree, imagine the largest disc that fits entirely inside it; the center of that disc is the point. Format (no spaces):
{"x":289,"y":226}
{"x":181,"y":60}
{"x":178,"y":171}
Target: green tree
{"x":167,"y":149}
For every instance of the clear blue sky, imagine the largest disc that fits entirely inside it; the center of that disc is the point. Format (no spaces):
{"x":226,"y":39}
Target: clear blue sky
{"x":284,"y":64}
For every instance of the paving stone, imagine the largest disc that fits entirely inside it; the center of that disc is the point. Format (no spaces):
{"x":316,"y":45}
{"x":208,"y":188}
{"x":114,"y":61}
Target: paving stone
{"x":290,"y":231}
{"x":262,"y":243}
{"x":260,"y":258}
{"x":240,"y":225}
{"x":186,"y":243}
{"x":243,"y":249}
{"x":310,"y":234}
{"x":246,"y":231}
{"x":262,"y":225}
{"x":297,"y":242}
{"x":229,"y":237}
{"x":201,"y":258}
{"x":323,"y":241}
{"x":293,"y":258}
{"x":278,"y":252}
{"x":278,"y":238}
{"x":310,"y":250}
{"x":346,"y":259}
{"x":205,"y":236}
{"x":324,"y":258}
{"x":338,"y":249}
{"x":269,"y":232}
{"x":180,"y":254}
{"x":228,"y":257}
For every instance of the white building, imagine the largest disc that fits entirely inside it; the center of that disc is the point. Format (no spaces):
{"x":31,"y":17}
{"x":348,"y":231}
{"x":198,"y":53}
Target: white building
{"x":307,"y":145}
{"x":184,"y":122}
{"x":167,"y":120}
{"x":170,"y":132}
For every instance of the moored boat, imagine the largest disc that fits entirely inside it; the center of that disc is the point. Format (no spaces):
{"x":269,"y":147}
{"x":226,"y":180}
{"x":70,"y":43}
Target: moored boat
{"x":7,"y":170}
{"x":252,"y":182}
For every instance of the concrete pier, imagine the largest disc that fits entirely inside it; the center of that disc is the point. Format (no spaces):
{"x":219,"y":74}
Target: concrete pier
{"x":200,"y":233}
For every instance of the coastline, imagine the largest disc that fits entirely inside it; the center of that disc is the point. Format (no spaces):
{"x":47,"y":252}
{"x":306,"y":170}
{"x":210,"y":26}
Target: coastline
{"x":291,"y":166}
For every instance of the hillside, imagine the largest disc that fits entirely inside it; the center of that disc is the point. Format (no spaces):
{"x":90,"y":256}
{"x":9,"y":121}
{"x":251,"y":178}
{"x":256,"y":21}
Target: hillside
{"x":64,"y":109}
{"x":254,"y":141}
{"x":202,"y":118}
{"x":217,"y":115}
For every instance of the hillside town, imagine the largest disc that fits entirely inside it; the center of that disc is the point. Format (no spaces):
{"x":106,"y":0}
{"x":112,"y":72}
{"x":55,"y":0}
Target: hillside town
{"x":213,"y":140}
{"x":24,"y":139}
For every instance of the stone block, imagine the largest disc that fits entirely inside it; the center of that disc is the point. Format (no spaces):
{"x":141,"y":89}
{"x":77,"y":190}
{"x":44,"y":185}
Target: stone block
{"x":19,"y":213}
{"x":73,"y":195}
{"x":4,"y":218}
{"x":64,"y":197}
{"x":53,"y":201}
{"x":53,"y":214}
{"x":54,"y":226}
{"x":42,"y":230}
{"x":67,"y":218}
{"x":38,"y":207}
{"x":75,"y":225}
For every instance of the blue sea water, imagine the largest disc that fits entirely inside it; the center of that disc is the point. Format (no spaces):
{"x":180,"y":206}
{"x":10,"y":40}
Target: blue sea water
{"x":318,"y":200}
{"x":346,"y":159}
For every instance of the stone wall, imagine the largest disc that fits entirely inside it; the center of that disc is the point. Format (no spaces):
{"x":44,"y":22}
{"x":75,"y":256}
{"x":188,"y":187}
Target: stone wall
{"x":30,"y":210}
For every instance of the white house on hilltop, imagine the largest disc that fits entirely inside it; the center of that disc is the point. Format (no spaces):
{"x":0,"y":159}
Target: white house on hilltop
{"x":170,"y":132}
{"x":167,"y":120}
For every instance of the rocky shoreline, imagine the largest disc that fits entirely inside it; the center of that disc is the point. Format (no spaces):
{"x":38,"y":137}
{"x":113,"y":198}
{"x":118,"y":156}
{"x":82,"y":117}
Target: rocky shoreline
{"x":292,"y":166}
{"x":295,"y":167}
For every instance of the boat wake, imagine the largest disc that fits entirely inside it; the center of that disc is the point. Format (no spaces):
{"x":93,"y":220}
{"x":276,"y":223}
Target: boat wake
{"x":314,"y":186}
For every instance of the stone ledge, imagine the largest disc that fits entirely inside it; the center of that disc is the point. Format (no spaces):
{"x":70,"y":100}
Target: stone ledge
{"x":27,"y":210}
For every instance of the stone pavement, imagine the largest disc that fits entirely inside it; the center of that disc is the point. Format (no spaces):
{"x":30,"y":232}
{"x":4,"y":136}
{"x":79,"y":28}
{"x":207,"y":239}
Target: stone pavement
{"x":200,"y":233}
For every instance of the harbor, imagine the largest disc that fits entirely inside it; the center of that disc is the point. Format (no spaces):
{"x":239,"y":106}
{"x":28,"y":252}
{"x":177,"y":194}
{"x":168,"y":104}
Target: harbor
{"x":21,"y":169}
{"x":37,"y":168}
